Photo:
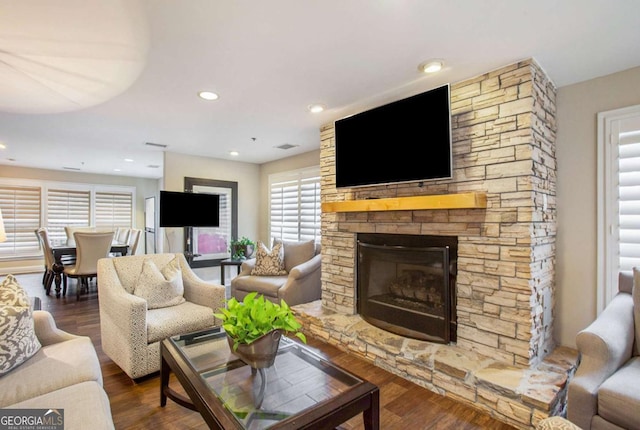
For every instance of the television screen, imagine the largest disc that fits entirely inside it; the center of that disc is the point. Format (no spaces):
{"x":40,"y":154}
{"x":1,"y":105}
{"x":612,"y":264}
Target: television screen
{"x":189,"y":209}
{"x":407,"y":140}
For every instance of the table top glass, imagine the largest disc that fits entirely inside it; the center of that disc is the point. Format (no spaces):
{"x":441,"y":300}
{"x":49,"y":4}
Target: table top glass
{"x":299,"y":379}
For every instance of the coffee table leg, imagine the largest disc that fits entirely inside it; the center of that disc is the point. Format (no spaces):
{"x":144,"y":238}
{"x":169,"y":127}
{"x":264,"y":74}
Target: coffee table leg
{"x":165,"y":370}
{"x":371,"y":416}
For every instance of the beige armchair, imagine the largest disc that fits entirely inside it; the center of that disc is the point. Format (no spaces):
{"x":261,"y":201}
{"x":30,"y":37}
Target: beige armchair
{"x":300,"y":284}
{"x":135,"y":314}
{"x":604,"y":392}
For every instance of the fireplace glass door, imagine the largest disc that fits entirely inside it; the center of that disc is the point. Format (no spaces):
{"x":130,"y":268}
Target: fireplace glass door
{"x":406,"y":288}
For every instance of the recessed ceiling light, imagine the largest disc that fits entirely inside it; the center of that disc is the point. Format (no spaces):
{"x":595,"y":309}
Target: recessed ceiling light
{"x":431,"y":66}
{"x":117,"y":170}
{"x":234,"y":153}
{"x":129,"y":160}
{"x":3,"y":146}
{"x":208,"y":95}
{"x":316,"y":108}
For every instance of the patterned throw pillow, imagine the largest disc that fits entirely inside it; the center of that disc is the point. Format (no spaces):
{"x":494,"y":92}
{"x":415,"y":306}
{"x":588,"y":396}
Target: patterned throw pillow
{"x":160,"y":288}
{"x":269,"y":263}
{"x":18,"y":341}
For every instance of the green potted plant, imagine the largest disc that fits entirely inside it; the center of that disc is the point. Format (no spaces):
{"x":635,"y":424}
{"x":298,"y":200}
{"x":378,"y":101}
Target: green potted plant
{"x":242,"y":248}
{"x":254,"y":327}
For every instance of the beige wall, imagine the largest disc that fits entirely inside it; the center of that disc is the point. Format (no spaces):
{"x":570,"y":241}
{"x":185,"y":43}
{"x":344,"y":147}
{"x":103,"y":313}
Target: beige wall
{"x":247,"y":175}
{"x":308,"y":159}
{"x":578,"y":106}
{"x":144,"y":188}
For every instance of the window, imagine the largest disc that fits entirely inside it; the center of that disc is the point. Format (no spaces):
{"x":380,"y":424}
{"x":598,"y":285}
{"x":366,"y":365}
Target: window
{"x":618,"y":198}
{"x":294,"y":205}
{"x":21,"y":214}
{"x":26,"y":205}
{"x":66,"y":207}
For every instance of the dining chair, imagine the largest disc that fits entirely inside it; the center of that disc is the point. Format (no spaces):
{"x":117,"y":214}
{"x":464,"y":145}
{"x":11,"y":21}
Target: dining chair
{"x":90,"y":247}
{"x":134,"y":239}
{"x":122,"y":235}
{"x":43,"y":237}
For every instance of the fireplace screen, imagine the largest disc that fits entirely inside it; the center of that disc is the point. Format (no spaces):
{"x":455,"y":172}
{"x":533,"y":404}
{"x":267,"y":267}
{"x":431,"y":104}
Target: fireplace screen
{"x":406,"y":284}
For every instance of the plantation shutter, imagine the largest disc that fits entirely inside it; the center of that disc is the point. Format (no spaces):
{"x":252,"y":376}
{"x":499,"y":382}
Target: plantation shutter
{"x":294,"y":205}
{"x":21,"y":214}
{"x":113,"y":210}
{"x":629,"y":199}
{"x":67,"y":207}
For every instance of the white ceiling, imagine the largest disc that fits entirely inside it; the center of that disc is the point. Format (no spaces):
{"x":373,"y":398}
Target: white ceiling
{"x":269,"y":60}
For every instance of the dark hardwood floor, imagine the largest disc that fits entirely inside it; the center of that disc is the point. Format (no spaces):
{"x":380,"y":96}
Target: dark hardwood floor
{"x":136,"y":404}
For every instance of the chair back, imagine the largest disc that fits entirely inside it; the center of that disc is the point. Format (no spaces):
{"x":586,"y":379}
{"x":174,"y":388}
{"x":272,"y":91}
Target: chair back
{"x":122,"y":235}
{"x":90,"y":247}
{"x":134,"y":238}
{"x":43,"y":238}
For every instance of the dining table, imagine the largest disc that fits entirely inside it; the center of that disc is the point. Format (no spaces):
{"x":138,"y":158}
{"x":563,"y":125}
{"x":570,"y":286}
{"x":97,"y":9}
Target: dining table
{"x":67,"y":248}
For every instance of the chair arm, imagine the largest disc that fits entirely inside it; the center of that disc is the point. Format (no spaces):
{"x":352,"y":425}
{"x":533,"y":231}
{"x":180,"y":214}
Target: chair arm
{"x":247,"y":266}
{"x":46,"y":330}
{"x":604,"y":346}
{"x":303,"y":283}
{"x":306,"y":268}
{"x":204,"y":293}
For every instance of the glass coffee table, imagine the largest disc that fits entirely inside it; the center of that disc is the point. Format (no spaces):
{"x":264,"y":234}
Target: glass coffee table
{"x":302,"y":390}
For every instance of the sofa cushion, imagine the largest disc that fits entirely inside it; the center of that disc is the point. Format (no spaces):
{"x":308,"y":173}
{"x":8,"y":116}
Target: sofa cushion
{"x":183,"y":318}
{"x":269,"y":262}
{"x":619,"y":397}
{"x":296,"y":253}
{"x":18,"y":341}
{"x":161,"y":288}
{"x":85,"y":405}
{"x":267,"y":286}
{"x":53,"y":367}
{"x":129,"y":268}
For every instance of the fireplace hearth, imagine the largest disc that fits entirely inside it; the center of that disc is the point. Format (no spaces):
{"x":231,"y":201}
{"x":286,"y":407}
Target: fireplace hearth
{"x":406,"y":284}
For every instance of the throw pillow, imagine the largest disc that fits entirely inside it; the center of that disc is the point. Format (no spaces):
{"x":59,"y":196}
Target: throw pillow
{"x":160,"y":288}
{"x":269,"y":262}
{"x":297,"y":253}
{"x":636,"y":304}
{"x":18,"y":340}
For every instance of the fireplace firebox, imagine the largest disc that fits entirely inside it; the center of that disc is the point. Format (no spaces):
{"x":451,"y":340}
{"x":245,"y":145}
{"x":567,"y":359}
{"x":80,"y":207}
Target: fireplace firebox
{"x":406,"y":284}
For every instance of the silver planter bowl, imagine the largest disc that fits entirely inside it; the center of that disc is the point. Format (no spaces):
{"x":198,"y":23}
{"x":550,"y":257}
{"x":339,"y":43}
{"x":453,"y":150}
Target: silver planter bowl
{"x":261,"y":353}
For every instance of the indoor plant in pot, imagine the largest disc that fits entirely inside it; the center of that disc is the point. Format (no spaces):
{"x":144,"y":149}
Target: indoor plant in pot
{"x":254,"y":327}
{"x":242,"y":248}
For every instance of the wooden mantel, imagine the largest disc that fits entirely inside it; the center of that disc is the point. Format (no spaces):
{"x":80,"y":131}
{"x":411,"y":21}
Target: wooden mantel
{"x":439,"y":201}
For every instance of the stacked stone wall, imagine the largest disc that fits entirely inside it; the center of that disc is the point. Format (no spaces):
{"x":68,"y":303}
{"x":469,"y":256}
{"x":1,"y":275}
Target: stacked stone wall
{"x":503,"y":129}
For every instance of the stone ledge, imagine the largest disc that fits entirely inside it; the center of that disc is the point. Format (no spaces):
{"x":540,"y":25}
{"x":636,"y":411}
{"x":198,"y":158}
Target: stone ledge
{"x":517,"y":395}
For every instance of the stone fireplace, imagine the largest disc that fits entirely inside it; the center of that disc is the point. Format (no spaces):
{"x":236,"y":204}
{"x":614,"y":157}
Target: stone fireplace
{"x":502,"y":359}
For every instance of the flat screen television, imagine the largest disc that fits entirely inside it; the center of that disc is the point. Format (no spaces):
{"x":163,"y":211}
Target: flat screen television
{"x":189,"y":209}
{"x":403,"y":141}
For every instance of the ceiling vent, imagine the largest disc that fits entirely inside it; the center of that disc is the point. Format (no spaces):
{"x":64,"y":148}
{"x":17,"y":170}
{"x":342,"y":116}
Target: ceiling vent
{"x":156,"y":145}
{"x":72,"y":168}
{"x":286,"y":146}
{"x":153,"y":166}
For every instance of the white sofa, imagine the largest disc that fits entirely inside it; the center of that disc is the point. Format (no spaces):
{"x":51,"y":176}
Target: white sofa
{"x":64,"y":374}
{"x":131,"y":332}
{"x":604,"y":393}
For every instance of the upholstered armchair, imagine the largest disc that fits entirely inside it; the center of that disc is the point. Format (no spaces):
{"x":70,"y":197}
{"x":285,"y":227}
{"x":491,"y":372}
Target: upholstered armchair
{"x":604,"y":392}
{"x":297,"y":281}
{"x":144,"y":299}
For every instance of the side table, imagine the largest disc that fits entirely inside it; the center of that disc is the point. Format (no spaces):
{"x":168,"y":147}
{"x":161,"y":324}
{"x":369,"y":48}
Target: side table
{"x":229,"y":262}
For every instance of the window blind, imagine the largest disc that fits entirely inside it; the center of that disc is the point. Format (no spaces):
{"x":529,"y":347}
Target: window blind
{"x":629,"y":199}
{"x":294,"y":205}
{"x":113,"y":210}
{"x":67,"y":207}
{"x":21,"y":214}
